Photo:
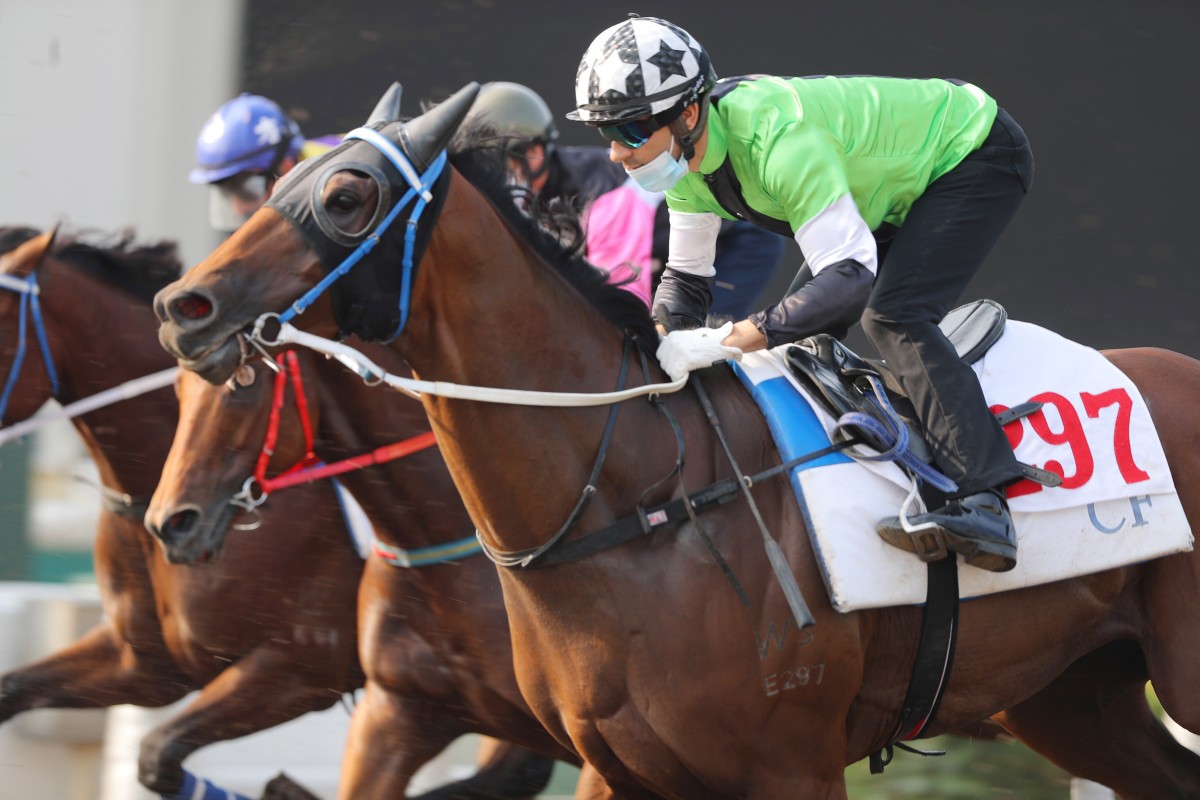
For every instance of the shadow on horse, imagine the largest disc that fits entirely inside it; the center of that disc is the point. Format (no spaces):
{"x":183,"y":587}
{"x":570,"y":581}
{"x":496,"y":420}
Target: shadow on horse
{"x":265,"y":633}
{"x":641,"y":657}
{"x":433,"y":637}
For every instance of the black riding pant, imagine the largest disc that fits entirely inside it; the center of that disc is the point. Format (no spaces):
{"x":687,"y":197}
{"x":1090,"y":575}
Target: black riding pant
{"x":922,"y":272}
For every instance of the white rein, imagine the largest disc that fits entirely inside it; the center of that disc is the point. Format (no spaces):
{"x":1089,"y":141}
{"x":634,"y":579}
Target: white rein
{"x":125,"y":391}
{"x":367,"y":369}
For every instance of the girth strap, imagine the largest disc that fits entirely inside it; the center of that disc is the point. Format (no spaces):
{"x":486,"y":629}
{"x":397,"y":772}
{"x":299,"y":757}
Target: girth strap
{"x":935,"y":655}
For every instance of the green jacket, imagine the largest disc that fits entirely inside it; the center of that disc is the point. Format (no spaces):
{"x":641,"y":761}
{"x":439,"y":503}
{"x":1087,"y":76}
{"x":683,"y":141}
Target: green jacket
{"x":799,"y":144}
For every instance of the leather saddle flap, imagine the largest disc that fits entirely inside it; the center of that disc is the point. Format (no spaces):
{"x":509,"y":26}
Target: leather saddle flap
{"x":838,"y":378}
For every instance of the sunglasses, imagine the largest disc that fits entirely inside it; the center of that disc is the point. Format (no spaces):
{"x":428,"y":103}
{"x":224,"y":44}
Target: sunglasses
{"x":632,"y":134}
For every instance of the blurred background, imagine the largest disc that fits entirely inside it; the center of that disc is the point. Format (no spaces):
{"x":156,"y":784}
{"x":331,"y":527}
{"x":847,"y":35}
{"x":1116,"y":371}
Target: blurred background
{"x":101,"y":102}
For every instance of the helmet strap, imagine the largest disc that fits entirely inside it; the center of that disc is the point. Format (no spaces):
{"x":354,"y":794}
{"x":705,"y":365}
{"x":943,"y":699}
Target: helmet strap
{"x":687,"y":138}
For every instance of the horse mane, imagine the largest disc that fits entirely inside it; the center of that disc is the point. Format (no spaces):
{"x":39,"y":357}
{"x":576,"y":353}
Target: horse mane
{"x":12,"y":237}
{"x":553,"y":230}
{"x":139,"y":270}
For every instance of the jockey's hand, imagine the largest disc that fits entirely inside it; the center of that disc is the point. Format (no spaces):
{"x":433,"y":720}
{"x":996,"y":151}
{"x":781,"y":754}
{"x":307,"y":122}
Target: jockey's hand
{"x":680,"y":352}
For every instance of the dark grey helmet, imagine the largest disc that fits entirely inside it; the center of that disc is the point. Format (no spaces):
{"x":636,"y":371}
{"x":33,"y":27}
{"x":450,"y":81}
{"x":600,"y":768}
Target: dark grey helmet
{"x":515,"y":112}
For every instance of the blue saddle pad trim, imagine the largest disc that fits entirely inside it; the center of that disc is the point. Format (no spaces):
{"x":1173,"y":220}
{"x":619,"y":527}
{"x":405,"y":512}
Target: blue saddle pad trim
{"x":793,"y":423}
{"x":797,"y":431}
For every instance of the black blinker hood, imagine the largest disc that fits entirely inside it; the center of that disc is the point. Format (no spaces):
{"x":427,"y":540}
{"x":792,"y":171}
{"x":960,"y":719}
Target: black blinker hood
{"x":366,"y":299}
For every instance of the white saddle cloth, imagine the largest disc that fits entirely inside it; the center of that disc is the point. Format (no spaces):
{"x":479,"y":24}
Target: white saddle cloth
{"x":1117,"y":504}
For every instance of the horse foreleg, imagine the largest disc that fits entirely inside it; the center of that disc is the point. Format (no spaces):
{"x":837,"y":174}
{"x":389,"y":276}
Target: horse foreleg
{"x":261,"y":690}
{"x":97,"y":671}
{"x":1096,"y":724}
{"x":392,"y":735}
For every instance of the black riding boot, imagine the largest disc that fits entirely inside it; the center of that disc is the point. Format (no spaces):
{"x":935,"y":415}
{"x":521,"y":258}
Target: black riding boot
{"x":978,"y":527}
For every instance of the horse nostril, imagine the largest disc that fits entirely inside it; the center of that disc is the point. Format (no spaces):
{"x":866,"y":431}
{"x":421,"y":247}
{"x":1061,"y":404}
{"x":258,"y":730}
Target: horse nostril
{"x":160,"y":307}
{"x":179,"y":525}
{"x":192,"y":307}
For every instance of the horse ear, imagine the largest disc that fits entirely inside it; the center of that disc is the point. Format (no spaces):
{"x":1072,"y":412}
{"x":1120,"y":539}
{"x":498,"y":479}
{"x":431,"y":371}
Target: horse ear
{"x":24,"y":259}
{"x":388,"y":107}
{"x":427,"y":135}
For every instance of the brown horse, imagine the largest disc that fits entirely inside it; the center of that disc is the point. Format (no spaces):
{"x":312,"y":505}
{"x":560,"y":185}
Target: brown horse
{"x":641,"y":657}
{"x":237,"y":629}
{"x":433,"y":638}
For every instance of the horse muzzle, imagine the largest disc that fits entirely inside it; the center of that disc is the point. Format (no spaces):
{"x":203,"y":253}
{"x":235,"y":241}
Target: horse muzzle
{"x":191,"y":331}
{"x":186,"y":535}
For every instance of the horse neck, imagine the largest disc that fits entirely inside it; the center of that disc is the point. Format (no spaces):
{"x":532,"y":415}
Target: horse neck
{"x":488,"y":312}
{"x":411,"y":501}
{"x":97,"y":343}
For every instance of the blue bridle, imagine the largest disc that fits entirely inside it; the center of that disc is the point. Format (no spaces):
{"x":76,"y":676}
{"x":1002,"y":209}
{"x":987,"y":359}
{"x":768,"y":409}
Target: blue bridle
{"x":30,"y":307}
{"x":419,"y":188}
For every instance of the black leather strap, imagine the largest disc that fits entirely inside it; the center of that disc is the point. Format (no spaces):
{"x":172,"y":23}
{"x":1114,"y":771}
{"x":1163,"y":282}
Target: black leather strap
{"x":935,"y":656}
{"x":724,"y":184}
{"x":649,"y":520}
{"x":727,"y":191}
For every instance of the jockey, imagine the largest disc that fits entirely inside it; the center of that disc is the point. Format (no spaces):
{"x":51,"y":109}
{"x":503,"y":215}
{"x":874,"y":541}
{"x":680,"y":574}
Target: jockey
{"x":895,"y":190}
{"x":625,"y":225}
{"x":244,"y":147}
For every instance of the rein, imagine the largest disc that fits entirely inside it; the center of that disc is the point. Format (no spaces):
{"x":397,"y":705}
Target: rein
{"x":125,"y":391}
{"x":118,"y":502}
{"x":30,"y":307}
{"x":523,"y":558}
{"x":372,"y":373}
{"x":311,"y":468}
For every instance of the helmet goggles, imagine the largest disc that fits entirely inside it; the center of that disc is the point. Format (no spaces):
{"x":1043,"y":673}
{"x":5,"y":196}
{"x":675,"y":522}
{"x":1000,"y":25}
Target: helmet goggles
{"x":632,"y":134}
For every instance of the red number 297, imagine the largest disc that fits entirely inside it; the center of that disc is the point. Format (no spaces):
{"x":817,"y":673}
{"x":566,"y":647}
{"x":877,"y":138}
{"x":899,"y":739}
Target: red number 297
{"x":1072,"y":435}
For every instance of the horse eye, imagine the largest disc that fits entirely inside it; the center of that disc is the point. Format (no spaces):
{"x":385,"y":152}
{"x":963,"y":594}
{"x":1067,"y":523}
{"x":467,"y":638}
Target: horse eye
{"x":343,"y":202}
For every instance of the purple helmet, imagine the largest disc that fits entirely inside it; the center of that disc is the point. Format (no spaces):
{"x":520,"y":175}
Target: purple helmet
{"x":249,"y":133}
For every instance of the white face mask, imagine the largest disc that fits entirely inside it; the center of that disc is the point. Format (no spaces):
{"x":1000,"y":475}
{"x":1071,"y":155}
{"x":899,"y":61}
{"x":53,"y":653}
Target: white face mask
{"x":663,"y":171}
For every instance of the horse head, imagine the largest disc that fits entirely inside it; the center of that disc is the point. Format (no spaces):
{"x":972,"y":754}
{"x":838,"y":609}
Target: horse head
{"x":324,"y":216}
{"x":205,"y":482}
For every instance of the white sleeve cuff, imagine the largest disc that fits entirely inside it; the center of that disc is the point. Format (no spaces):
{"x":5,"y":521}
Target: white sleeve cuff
{"x":838,"y":233}
{"x":693,"y":247}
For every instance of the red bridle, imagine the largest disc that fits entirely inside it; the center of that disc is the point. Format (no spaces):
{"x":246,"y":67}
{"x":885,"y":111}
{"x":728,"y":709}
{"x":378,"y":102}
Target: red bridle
{"x":310,"y":467}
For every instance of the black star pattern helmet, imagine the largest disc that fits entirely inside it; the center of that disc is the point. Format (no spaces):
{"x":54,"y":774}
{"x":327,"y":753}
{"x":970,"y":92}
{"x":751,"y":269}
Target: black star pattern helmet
{"x":640,"y":68}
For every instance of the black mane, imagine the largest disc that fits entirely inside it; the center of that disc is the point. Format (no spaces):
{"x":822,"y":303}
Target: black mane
{"x":139,"y":270}
{"x":553,"y":231}
{"x":14,"y":237}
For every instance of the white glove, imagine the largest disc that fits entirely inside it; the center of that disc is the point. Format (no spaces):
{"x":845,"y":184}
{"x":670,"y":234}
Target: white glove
{"x":680,"y":352}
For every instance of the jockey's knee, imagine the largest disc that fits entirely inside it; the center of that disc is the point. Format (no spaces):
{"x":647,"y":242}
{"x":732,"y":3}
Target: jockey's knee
{"x":876,"y":326}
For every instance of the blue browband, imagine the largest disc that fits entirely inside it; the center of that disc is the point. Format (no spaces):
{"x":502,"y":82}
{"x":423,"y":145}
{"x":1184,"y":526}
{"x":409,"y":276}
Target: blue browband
{"x":419,"y":188}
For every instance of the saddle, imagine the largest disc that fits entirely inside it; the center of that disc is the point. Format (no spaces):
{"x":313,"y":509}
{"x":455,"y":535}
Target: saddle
{"x":863,"y":394}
